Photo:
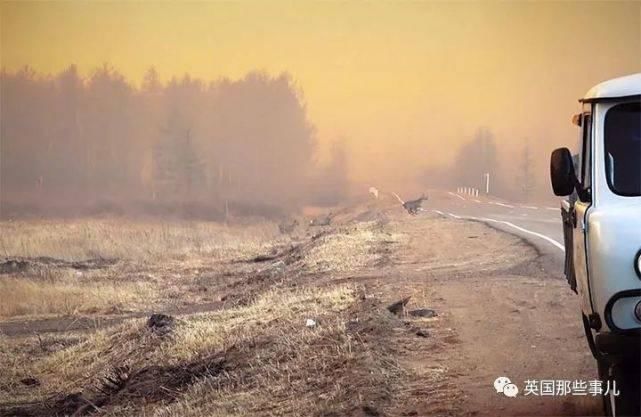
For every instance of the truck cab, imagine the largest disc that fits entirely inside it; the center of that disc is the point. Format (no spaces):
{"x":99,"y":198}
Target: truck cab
{"x":601,"y":216}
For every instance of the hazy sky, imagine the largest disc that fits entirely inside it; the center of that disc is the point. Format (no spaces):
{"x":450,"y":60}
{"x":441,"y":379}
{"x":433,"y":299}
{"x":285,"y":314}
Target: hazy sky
{"x":401,"y":82}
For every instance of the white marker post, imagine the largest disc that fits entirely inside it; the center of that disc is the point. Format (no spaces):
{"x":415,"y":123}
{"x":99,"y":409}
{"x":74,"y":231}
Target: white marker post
{"x":487,"y":183}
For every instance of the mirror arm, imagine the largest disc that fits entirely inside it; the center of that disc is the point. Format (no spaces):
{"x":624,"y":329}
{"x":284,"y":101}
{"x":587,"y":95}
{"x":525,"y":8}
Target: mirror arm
{"x":583,"y":193}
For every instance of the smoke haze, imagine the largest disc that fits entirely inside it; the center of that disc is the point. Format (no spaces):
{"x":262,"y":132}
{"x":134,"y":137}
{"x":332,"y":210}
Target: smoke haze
{"x":385,"y":94}
{"x":74,"y":144}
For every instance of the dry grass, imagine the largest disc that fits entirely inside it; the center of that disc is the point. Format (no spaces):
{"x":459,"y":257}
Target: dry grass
{"x":209,"y":332}
{"x":349,"y":249}
{"x":272,"y":363}
{"x":198,"y":335}
{"x":157,"y":263}
{"x":258,"y":358}
{"x":78,"y":240}
{"x":151,"y":258}
{"x":29,"y":297}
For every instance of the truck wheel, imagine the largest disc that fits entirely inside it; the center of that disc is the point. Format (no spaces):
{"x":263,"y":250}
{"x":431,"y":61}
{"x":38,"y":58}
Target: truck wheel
{"x":604,"y":375}
{"x":625,"y":374}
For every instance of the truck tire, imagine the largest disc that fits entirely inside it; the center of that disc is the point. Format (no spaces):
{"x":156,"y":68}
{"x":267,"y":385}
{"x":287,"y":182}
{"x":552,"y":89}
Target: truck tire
{"x":604,"y":375}
{"x":625,"y":374}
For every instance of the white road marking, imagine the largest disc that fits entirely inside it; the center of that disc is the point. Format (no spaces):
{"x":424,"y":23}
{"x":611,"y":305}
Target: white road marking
{"x":519,"y":228}
{"x":552,"y":208}
{"x":524,"y":230}
{"x":439,"y":212}
{"x":530,"y":207}
{"x":501,"y":204}
{"x":477,"y":201}
{"x":456,"y":195}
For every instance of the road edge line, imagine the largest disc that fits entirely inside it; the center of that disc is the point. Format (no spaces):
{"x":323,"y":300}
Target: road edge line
{"x":548,"y":239}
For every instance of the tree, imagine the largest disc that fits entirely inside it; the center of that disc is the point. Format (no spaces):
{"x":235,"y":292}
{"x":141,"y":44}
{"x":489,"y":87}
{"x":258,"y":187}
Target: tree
{"x":178,"y":171}
{"x":475,"y":159}
{"x":26,"y":122}
{"x":525,"y":179}
{"x":72,"y":142}
{"x":108,"y":123}
{"x":151,"y":81}
{"x":67,"y":135}
{"x":263,"y":138}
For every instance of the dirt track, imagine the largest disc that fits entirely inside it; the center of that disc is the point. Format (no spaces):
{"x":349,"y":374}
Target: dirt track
{"x":500,"y":313}
{"x":510,"y":314}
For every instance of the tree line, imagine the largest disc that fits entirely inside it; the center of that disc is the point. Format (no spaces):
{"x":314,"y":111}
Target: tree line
{"x":70,"y":143}
{"x":479,"y":164}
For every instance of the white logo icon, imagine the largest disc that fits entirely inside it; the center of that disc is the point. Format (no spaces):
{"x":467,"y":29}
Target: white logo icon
{"x":504,"y":385}
{"x":500,"y":383}
{"x":510,"y":390}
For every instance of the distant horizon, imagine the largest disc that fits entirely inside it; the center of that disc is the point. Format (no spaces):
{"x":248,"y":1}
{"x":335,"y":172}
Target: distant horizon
{"x":394,"y":81}
{"x":137,"y":83}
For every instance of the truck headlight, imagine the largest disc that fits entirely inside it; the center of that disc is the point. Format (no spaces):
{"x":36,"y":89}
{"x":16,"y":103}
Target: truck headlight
{"x":637,"y":311}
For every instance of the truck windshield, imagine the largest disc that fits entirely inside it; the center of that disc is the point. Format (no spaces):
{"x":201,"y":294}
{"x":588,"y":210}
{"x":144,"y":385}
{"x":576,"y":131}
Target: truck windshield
{"x":623,"y":149}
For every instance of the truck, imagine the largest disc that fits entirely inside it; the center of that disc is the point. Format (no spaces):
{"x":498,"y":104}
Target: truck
{"x":601,"y":217}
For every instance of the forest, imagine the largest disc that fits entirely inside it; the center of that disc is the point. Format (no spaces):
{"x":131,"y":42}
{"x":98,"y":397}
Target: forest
{"x":74,"y":145}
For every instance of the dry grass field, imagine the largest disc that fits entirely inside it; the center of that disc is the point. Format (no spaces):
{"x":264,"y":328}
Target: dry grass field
{"x":110,"y":317}
{"x":237,"y":341}
{"x":251,"y":360}
{"x":103,"y":266}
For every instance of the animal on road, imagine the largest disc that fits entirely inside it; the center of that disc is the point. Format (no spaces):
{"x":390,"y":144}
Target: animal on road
{"x":412,"y":206}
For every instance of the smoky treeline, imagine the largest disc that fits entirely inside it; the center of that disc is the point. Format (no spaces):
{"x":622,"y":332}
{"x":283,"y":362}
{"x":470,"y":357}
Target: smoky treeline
{"x":83,"y":145}
{"x":480,"y":163}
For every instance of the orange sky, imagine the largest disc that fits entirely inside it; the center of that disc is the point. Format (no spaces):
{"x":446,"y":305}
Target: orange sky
{"x":401,"y":82}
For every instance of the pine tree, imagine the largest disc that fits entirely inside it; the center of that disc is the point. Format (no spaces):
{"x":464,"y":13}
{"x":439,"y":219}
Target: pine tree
{"x":525,"y":180}
{"x":476,"y":158}
{"x":178,"y":171}
{"x":190,"y":168}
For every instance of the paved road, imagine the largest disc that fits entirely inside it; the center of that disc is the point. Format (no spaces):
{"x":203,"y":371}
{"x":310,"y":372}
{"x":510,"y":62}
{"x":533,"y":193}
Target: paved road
{"x":533,"y":331}
{"x":538,"y":224}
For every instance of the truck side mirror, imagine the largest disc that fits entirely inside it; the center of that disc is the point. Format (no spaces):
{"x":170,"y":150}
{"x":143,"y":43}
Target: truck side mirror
{"x":562,"y":172}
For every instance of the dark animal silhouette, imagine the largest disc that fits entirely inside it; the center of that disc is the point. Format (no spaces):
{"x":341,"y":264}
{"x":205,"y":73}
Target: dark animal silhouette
{"x":412,"y":206}
{"x":398,"y":307}
{"x":286,"y":228}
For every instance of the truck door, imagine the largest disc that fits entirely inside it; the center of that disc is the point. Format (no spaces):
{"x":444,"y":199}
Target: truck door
{"x":579,"y":216}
